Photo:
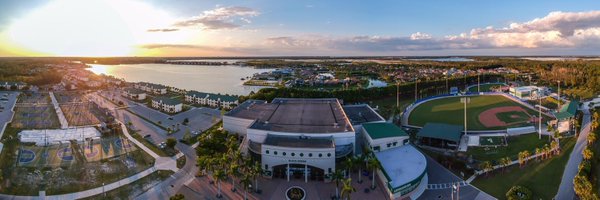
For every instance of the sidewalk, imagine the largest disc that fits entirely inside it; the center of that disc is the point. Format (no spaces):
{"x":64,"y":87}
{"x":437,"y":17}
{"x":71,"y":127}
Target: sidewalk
{"x":61,"y":117}
{"x":565,"y":190}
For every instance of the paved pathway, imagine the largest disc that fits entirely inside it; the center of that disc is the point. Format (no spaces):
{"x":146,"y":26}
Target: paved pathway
{"x":61,"y":117}
{"x":8,"y":112}
{"x":565,"y":190}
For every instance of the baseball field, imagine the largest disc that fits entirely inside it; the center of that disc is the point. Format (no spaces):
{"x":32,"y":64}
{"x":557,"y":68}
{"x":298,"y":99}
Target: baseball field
{"x":485,"y":112}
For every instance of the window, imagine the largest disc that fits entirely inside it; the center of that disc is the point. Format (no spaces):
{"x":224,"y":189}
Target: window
{"x":267,"y":151}
{"x":284,"y":153}
{"x":275,"y":152}
{"x":293,"y":154}
{"x":301,"y":154}
{"x":376,"y":148}
{"x":389,"y":145}
{"x":328,"y":154}
{"x":266,"y":166}
{"x":395,"y":143}
{"x":310,"y":155}
{"x":320,"y":155}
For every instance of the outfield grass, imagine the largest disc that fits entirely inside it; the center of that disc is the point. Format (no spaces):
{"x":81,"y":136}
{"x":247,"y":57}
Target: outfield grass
{"x":485,"y":87}
{"x":451,"y":111}
{"x":515,"y":145}
{"x":541,"y":177}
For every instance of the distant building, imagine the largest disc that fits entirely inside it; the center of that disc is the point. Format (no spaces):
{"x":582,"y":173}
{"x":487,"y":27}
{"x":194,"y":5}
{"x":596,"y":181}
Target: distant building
{"x":10,"y":85}
{"x":443,"y":136}
{"x":133,"y":93}
{"x":167,"y":104}
{"x":528,"y":92}
{"x":213,"y":100}
{"x":565,"y":117}
{"x":151,"y":87}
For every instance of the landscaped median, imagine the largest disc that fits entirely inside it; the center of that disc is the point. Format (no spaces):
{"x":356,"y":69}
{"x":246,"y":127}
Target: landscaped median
{"x":542,"y":177}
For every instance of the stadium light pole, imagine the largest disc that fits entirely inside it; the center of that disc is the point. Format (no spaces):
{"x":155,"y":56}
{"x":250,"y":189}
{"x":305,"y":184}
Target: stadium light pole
{"x":416,"y":86}
{"x":478,"y":84}
{"x":397,"y":94}
{"x":540,"y":118}
{"x":558,"y":96}
{"x":465,"y":100}
{"x":447,"y":83}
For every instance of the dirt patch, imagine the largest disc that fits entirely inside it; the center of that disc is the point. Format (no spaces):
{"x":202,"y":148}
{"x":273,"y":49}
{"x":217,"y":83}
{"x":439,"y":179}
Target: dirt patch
{"x":490,"y":119}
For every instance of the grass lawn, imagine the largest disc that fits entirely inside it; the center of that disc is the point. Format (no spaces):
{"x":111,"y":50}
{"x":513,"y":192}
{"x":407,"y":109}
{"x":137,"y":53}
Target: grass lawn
{"x":135,"y":188}
{"x":491,"y":141}
{"x":541,"y":177}
{"x":386,"y":105}
{"x":516,"y":144}
{"x":451,"y":111}
{"x":485,"y":87}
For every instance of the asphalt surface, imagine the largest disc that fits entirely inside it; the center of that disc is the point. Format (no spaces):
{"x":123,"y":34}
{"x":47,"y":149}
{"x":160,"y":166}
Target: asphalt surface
{"x":565,"y":190}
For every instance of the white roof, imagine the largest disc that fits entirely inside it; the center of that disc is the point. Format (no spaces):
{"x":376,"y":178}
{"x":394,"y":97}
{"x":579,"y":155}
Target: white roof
{"x":56,"y":136}
{"x":402,"y":164}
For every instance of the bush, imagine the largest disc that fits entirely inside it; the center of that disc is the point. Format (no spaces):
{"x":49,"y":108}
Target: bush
{"x":519,"y":193}
{"x":171,"y":142}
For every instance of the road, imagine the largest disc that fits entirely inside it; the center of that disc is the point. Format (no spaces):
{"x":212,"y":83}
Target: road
{"x":565,"y":190}
{"x":186,"y":174}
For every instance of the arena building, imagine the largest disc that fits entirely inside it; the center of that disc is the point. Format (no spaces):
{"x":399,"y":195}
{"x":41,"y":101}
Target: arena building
{"x":305,"y":138}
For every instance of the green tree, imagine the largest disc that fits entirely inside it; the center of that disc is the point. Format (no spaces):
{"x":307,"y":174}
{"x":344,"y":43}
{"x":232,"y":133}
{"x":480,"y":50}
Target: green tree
{"x":360,"y":162}
{"x":349,"y":163}
{"x":591,"y":138}
{"x":171,"y":142}
{"x":337,"y":176}
{"x":373,"y":165}
{"x":587,"y":153}
{"x":245,"y":182}
{"x":519,"y":193}
{"x":347,"y":189}
{"x":584,"y":188}
{"x":486,"y":166}
{"x":219,"y":176}
{"x":177,"y":197}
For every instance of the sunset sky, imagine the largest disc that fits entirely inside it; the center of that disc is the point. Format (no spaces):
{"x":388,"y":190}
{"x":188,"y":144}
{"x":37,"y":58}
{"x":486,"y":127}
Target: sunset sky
{"x":298,"y":28}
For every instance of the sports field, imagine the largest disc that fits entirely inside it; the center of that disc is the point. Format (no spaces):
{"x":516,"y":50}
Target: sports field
{"x":35,"y":117}
{"x":487,"y":87}
{"x":486,"y":112}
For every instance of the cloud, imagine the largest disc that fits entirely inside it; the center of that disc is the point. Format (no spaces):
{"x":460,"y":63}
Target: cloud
{"x":556,"y":30}
{"x":163,"y":30}
{"x":220,"y":18}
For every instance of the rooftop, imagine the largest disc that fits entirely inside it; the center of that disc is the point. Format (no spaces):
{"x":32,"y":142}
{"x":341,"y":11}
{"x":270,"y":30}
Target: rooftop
{"x":134,"y":91}
{"x":358,"y":114}
{"x":383,"y":130}
{"x":567,"y":111}
{"x":299,"y":141}
{"x":166,"y":100}
{"x":220,"y":97}
{"x":402,"y":165}
{"x":196,"y":94}
{"x":441,"y":131}
{"x":295,"y":115}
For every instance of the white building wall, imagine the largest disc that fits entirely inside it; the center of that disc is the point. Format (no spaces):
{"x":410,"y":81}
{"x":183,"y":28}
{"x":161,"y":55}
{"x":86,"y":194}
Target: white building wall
{"x":325,"y":162}
{"x":236,"y":125}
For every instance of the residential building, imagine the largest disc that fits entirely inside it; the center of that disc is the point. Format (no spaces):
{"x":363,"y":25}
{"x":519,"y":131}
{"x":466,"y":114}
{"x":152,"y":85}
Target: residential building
{"x":212,"y":100}
{"x":133,"y":93}
{"x":167,"y":104}
{"x":10,"y":85}
{"x":151,"y":87}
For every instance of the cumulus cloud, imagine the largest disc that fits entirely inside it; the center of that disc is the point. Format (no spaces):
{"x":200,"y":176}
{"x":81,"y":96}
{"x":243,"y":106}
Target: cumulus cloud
{"x":220,"y":18}
{"x":556,"y":30}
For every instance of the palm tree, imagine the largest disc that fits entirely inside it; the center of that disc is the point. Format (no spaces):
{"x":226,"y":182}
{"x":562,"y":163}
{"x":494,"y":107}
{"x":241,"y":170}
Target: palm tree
{"x":591,"y":138}
{"x":486,"y":166}
{"x":587,"y":154}
{"x":373,"y":164}
{"x":347,"y":188}
{"x":246,"y":184}
{"x":521,"y":159}
{"x":219,"y":175}
{"x":234,"y":172}
{"x":349,"y":163}
{"x":547,"y":151}
{"x":538,"y":151}
{"x":360,"y":162}
{"x":256,"y":171}
{"x":337,"y":176}
{"x":555,"y":147}
{"x":526,"y":155}
{"x":505,"y":162}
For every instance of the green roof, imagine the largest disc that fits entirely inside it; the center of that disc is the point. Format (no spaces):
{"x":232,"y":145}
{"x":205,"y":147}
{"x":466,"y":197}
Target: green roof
{"x":567,"y":111}
{"x":196,"y":94}
{"x":441,"y":131}
{"x":225,"y":98}
{"x":383,"y":130}
{"x":167,"y":100}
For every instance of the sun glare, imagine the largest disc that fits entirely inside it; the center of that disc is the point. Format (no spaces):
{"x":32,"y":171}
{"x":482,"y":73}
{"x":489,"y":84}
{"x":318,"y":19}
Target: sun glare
{"x":91,"y":28}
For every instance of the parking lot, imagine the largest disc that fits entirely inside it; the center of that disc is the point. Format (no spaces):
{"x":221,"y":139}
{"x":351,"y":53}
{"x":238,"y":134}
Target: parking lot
{"x":7,"y":102}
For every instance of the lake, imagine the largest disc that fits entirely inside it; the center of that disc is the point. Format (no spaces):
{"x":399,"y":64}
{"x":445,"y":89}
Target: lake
{"x":223,"y":79}
{"x":450,"y":59}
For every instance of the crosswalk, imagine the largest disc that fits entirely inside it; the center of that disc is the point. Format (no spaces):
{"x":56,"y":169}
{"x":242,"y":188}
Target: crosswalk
{"x":441,"y":186}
